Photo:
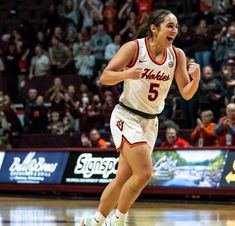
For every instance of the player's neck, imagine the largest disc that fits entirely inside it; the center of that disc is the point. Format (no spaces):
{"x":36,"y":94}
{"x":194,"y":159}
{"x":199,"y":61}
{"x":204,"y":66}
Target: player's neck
{"x":156,"y":48}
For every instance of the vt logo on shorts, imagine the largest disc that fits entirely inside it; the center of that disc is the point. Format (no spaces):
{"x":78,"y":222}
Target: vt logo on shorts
{"x":119,"y":124}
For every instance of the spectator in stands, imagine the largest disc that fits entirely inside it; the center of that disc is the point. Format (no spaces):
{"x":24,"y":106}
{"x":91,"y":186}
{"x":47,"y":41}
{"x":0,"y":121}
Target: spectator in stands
{"x":41,"y":40}
{"x":11,"y":117}
{"x":112,"y":48}
{"x":37,"y":119}
{"x":51,"y":17}
{"x":55,"y":124}
{"x":29,"y":102}
{"x":202,"y":40}
{"x":40,"y":64}
{"x":107,"y":108}
{"x":173,"y":140}
{"x":56,"y":95}
{"x":4,"y":127}
{"x":91,"y":10}
{"x":130,"y":28}
{"x":212,"y":93}
{"x":110,"y":17}
{"x":225,"y":43}
{"x":144,"y":8}
{"x":11,"y":59}
{"x":225,"y":128}
{"x":203,"y":134}
{"x":96,"y":140}
{"x":125,"y":11}
{"x":228,"y":79}
{"x":99,"y":41}
{"x":70,"y":13}
{"x":94,"y":114}
{"x":60,"y":57}
{"x":78,"y":44}
{"x":68,"y":124}
{"x":85,"y":65}
{"x":85,"y":141}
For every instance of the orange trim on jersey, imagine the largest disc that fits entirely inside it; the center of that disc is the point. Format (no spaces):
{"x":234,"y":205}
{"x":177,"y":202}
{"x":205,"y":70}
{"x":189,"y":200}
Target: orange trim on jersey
{"x":132,"y":63}
{"x":151,"y":55}
{"x":176,"y":57}
{"x":124,"y":140}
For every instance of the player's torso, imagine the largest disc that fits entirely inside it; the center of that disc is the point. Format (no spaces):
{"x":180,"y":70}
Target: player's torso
{"x":148,"y":93}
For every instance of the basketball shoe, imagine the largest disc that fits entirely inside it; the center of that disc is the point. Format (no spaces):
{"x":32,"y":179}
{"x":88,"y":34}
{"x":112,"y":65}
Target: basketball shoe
{"x":114,"y":221}
{"x":90,"y":221}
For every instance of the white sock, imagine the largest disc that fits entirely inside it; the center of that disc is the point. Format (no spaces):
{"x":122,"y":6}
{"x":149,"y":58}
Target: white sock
{"x":99,"y":217}
{"x":119,"y":215}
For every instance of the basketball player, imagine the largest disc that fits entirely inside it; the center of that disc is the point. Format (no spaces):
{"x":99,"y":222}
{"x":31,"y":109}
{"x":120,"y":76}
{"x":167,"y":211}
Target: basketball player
{"x":147,"y":66}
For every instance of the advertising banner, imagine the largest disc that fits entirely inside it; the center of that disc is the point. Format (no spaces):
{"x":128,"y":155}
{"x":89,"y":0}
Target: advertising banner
{"x":228,"y":177}
{"x":91,"y":168}
{"x":188,"y":168}
{"x":33,"y":167}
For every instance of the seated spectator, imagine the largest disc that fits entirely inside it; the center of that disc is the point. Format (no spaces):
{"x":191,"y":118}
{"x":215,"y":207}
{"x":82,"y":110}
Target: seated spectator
{"x":40,"y":64}
{"x":55,"y":125}
{"x":203,"y":134}
{"x":68,"y":124}
{"x":36,"y":117}
{"x":96,"y":140}
{"x":225,"y":128}
{"x":85,"y":141}
{"x":4,"y":132}
{"x":173,"y":140}
{"x":12,"y":122}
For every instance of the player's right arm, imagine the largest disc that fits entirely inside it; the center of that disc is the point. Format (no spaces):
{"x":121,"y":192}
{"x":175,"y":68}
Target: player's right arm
{"x":114,"y":72}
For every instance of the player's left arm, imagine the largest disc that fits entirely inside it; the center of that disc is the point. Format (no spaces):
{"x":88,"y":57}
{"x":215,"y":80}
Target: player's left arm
{"x":187,"y":86}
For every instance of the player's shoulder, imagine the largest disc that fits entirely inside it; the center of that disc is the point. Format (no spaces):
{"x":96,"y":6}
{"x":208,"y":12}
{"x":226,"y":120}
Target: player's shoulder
{"x":178,"y":51}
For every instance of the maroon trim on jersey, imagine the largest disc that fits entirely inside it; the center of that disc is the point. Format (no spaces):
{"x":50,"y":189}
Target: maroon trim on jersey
{"x":124,"y":140}
{"x":132,"y":63}
{"x":151,"y":55}
{"x":176,"y":57}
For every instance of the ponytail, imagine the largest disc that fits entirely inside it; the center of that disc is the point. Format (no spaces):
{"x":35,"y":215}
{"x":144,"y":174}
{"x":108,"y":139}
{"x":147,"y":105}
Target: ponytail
{"x":143,"y":31}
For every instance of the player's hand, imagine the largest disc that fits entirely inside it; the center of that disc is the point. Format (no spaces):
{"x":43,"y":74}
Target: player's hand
{"x":134,"y":73}
{"x":194,"y":71}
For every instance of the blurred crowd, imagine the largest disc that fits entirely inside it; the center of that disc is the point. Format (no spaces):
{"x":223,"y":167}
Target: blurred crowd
{"x":79,"y":37}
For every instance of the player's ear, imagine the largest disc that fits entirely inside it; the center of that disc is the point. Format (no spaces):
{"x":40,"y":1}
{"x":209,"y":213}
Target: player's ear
{"x":153,"y":28}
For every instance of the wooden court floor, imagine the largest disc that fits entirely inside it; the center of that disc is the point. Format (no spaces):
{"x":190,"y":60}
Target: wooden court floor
{"x":15,"y":211}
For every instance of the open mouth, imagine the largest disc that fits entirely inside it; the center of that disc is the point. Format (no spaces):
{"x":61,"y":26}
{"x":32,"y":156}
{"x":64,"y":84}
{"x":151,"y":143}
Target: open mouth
{"x":170,"y":39}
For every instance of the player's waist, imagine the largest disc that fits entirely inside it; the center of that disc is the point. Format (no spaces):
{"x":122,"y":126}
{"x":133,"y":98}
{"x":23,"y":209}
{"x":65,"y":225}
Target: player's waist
{"x":140,"y":113}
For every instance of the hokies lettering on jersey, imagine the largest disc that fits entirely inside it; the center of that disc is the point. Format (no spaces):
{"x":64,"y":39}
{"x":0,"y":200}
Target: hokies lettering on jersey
{"x":149,"y":74}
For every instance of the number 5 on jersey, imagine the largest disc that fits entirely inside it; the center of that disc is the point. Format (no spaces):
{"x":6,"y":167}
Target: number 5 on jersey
{"x":153,"y":91}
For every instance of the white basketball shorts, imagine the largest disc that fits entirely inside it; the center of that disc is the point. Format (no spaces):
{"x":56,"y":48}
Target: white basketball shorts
{"x":132,"y":128}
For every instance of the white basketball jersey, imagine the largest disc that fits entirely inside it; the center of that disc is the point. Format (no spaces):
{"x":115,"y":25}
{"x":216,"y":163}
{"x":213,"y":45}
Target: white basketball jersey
{"x":148,"y":93}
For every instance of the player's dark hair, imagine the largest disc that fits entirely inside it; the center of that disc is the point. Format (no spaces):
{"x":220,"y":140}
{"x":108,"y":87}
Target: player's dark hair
{"x":157,"y":17}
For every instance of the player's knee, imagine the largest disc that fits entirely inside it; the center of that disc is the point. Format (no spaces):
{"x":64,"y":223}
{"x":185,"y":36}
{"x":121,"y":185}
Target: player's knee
{"x":144,"y":177}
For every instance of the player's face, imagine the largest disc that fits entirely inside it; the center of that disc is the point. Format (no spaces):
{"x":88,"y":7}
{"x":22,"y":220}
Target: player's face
{"x":168,"y":30}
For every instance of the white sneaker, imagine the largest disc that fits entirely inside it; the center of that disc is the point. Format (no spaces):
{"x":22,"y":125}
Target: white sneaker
{"x":89,"y":221}
{"x":113,"y":221}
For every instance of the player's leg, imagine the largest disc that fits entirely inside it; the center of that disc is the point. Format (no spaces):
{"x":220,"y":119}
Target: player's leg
{"x":140,"y":162}
{"x":110,"y":195}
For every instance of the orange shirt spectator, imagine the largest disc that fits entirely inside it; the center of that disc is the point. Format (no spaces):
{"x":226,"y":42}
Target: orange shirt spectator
{"x":173,"y":140}
{"x":96,"y":140}
{"x":204,"y":131}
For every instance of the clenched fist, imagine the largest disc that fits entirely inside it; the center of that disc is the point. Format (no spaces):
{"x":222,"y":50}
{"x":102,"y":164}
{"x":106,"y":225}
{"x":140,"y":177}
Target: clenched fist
{"x":134,"y":73}
{"x":194,"y":71}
